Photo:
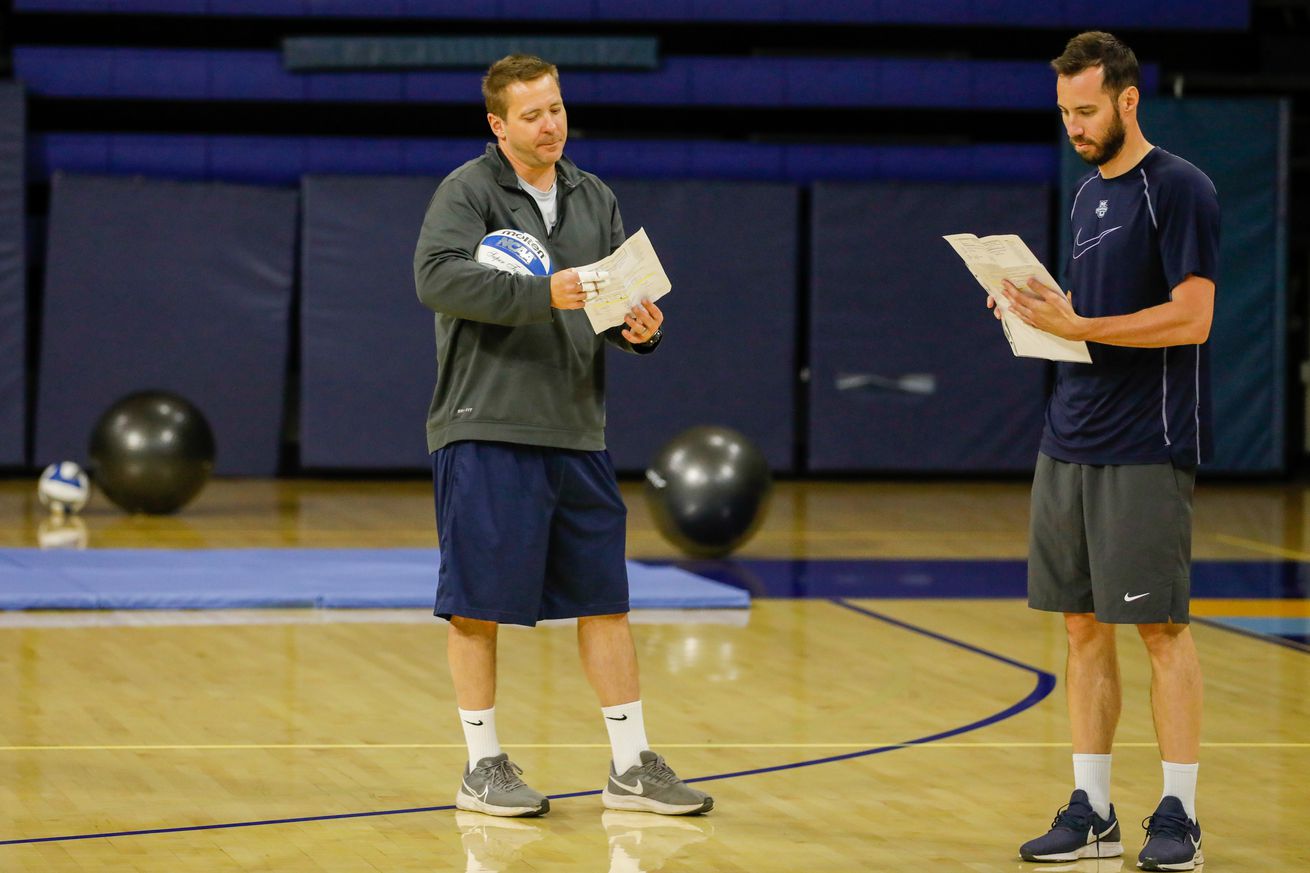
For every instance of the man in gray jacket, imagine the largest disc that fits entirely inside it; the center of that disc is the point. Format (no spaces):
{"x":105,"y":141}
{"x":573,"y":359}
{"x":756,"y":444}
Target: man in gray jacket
{"x":528,"y":510}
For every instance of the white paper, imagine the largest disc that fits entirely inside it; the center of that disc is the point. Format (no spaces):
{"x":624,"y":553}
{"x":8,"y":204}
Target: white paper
{"x":992,"y":260}
{"x":635,"y":275}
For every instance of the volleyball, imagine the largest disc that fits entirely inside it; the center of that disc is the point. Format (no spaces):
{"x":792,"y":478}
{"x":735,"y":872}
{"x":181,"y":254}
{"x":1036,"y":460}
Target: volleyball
{"x":514,"y":252}
{"x":63,"y":487}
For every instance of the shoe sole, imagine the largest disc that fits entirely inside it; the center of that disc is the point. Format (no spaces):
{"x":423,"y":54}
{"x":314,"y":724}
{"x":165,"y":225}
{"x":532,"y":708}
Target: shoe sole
{"x":1196,"y":861}
{"x":637,"y":803}
{"x":468,"y":822}
{"x":1101,"y":849}
{"x":472,"y":804}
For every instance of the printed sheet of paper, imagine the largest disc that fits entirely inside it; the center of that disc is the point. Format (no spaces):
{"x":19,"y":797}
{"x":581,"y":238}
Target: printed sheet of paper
{"x":992,"y":260}
{"x":635,"y":275}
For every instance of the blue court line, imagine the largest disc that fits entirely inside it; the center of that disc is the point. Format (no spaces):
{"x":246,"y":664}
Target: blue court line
{"x":1045,"y":684}
{"x":1273,"y":625}
{"x":233,"y":824}
{"x":1255,"y":635}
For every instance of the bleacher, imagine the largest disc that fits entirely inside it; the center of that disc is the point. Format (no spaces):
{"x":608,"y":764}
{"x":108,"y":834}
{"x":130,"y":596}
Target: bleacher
{"x":1167,"y":14}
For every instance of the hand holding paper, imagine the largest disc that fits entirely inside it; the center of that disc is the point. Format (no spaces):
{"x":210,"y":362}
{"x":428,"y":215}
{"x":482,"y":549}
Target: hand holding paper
{"x":594,"y":282}
{"x":633,"y":276}
{"x":1043,"y":308}
{"x":642,"y":322}
{"x":1001,"y":260}
{"x":572,"y":288}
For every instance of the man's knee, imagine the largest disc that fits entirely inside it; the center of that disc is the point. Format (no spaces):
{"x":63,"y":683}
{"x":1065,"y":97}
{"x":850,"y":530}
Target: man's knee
{"x":1163,"y":638}
{"x":1085,"y":631}
{"x":603,"y":626}
{"x":618,"y":617}
{"x":473,"y":627}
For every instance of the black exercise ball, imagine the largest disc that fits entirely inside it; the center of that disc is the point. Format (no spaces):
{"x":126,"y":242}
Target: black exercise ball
{"x":708,"y":489}
{"x":152,"y":452}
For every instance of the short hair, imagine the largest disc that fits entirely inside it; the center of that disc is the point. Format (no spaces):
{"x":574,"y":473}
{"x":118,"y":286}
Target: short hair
{"x":1096,"y":48}
{"x":507,"y":71}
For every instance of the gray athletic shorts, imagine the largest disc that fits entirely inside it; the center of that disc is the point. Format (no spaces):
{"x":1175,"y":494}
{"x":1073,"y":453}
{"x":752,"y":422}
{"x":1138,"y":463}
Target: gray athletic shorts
{"x":1113,"y":540}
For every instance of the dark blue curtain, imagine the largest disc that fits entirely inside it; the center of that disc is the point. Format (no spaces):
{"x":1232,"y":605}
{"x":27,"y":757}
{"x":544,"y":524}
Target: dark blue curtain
{"x":13,"y":280}
{"x":729,"y":353}
{"x":367,"y":355}
{"x":908,"y":369}
{"x":180,"y":286}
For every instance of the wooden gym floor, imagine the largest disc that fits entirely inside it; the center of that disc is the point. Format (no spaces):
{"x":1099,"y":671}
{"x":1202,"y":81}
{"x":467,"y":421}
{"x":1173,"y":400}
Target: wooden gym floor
{"x":290,"y":740}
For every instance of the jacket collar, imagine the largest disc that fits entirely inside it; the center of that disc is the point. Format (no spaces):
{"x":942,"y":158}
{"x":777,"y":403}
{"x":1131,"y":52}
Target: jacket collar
{"x":565,"y":170}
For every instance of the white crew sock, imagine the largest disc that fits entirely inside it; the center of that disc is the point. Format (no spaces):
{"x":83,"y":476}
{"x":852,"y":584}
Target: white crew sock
{"x":1091,"y":773}
{"x":1180,"y":782}
{"x":480,"y":734}
{"x":627,"y":734}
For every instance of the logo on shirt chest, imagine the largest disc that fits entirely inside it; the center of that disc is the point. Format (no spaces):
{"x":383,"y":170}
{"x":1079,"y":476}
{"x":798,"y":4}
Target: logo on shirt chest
{"x":1102,"y":208}
{"x":1083,"y":246}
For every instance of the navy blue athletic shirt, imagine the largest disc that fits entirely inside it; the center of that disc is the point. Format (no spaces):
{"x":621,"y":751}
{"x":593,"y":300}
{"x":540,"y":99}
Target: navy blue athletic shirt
{"x":1135,"y":238}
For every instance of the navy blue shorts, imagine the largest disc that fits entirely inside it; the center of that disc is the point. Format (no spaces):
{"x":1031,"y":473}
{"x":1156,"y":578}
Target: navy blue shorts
{"x":528,"y":533}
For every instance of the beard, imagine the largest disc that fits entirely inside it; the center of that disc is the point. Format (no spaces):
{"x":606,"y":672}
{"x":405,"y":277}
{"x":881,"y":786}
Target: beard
{"x":1108,"y":148}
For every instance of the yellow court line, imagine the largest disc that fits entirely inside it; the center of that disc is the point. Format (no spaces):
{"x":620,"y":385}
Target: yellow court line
{"x":248,"y":747}
{"x":1265,"y":548}
{"x":878,"y":533}
{"x":1206,"y":607}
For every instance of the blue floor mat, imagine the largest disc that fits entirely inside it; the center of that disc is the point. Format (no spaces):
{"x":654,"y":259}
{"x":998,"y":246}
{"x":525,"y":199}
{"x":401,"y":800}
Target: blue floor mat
{"x":247,"y":578}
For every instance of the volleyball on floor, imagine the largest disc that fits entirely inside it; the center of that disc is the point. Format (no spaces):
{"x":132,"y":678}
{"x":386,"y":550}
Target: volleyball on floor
{"x":63,"y":487}
{"x":514,"y":252}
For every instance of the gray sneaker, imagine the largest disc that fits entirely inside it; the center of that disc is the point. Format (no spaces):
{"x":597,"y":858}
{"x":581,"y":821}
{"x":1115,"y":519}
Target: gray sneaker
{"x":494,"y":787}
{"x":652,"y":786}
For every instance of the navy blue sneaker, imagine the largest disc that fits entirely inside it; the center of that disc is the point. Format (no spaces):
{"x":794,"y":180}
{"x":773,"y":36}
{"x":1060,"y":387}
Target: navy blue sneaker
{"x":1173,"y":841}
{"x":1077,"y":832}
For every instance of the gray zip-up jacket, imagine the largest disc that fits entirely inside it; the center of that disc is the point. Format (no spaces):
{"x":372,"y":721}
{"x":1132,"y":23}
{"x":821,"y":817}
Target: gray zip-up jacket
{"x":509,"y":367}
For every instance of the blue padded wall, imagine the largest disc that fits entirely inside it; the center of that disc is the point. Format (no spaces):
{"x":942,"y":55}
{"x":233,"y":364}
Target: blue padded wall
{"x":890,"y":300}
{"x":367,"y":343}
{"x":13,"y":278}
{"x":367,"y":359}
{"x":1241,"y":144}
{"x":284,"y":159}
{"x":729,"y":357}
{"x":185,"y":287}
